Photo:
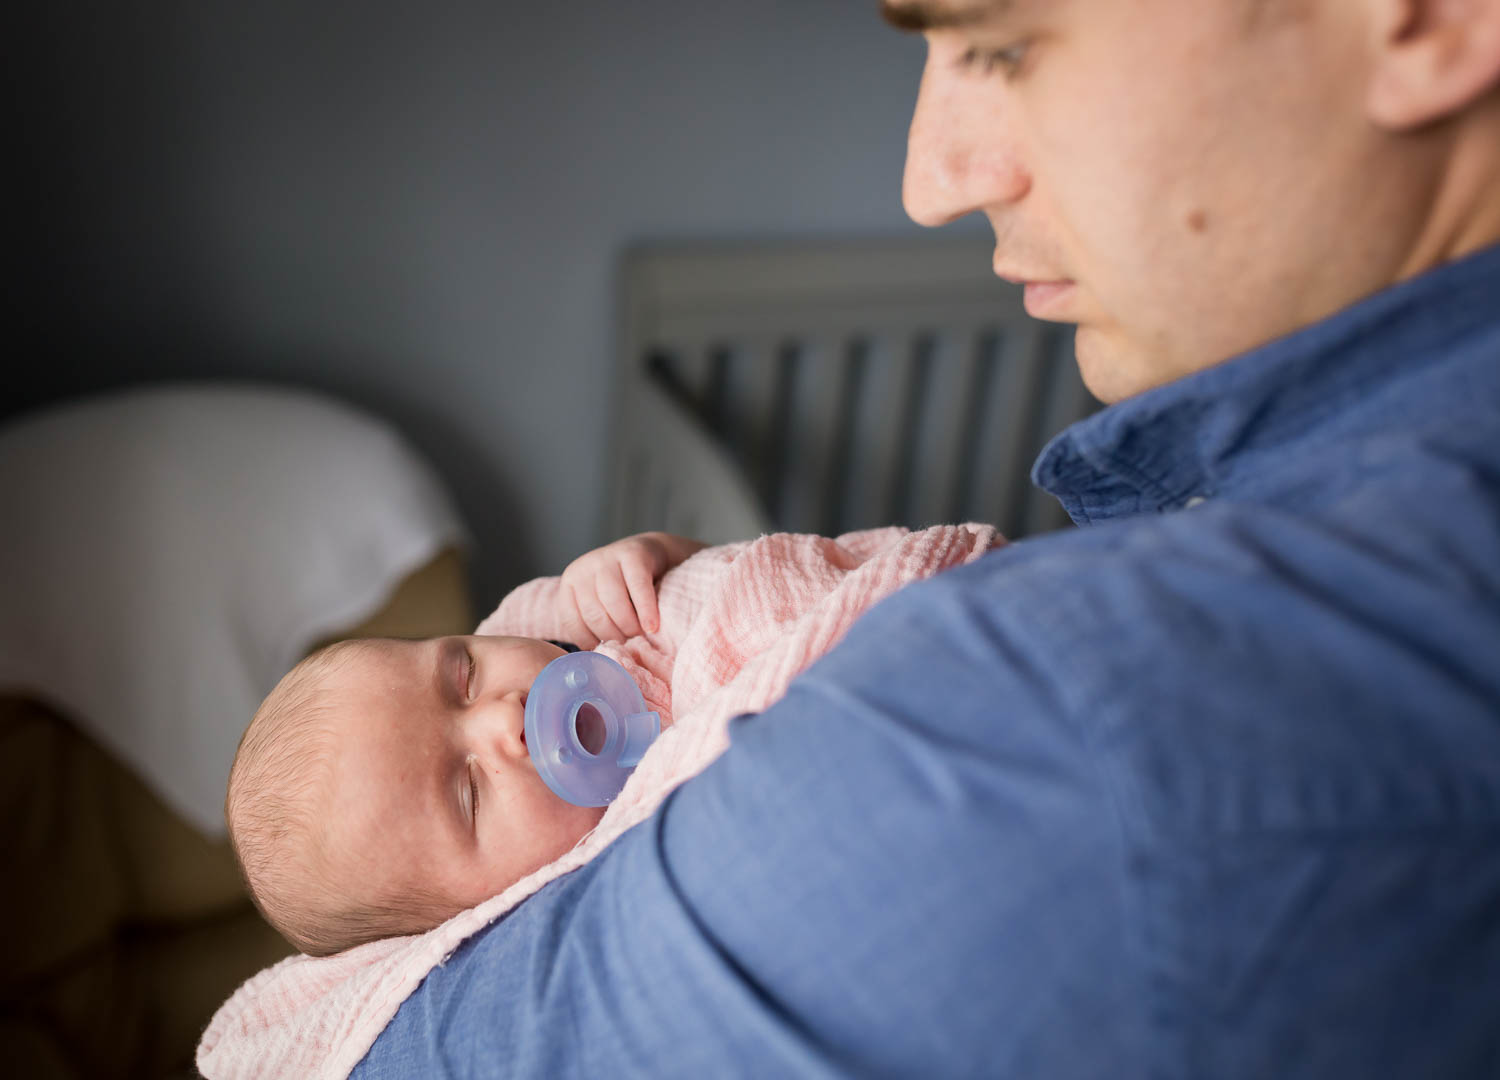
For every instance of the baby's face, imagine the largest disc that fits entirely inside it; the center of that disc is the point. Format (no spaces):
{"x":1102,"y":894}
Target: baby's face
{"x":434,"y":787}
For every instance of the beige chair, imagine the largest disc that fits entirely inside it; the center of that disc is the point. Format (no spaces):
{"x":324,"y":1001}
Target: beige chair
{"x":167,"y":551}
{"x":124,"y":927}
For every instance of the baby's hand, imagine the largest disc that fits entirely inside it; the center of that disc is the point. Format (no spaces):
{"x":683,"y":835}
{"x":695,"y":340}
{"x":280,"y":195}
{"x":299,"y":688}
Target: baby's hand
{"x":609,"y":594}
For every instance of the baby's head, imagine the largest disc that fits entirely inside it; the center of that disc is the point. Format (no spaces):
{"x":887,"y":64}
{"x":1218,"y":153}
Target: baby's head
{"x":385,"y":785}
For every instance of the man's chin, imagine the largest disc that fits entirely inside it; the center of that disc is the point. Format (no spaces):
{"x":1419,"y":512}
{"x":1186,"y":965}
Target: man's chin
{"x":1103,"y":365}
{"x":1115,"y":369}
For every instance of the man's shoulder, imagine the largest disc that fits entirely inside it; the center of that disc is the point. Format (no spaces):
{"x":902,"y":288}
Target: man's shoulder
{"x":1218,"y":647}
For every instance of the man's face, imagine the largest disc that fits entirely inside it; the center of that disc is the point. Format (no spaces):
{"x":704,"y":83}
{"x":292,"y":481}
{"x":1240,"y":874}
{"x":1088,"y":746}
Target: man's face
{"x":1184,"y":179}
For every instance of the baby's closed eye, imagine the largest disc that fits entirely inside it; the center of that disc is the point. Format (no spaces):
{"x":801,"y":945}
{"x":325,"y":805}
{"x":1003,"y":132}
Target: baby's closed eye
{"x":472,"y":776}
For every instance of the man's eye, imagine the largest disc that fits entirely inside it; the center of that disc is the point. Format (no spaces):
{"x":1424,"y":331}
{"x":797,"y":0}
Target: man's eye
{"x":1005,"y":60}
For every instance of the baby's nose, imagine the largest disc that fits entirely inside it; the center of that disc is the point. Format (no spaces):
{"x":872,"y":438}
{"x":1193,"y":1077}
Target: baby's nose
{"x":500,"y":731}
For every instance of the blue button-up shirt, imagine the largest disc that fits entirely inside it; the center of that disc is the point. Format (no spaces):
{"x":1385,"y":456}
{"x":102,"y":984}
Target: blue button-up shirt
{"x":1207,"y":788}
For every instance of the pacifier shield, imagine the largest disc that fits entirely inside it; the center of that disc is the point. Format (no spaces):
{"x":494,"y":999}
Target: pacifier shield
{"x":587,"y":726}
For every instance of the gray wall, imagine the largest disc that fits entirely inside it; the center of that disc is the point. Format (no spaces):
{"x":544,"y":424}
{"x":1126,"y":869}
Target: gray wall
{"x":421,"y":206}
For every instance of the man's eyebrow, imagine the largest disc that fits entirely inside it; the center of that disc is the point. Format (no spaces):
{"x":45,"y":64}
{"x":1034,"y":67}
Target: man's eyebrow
{"x":922,"y":15}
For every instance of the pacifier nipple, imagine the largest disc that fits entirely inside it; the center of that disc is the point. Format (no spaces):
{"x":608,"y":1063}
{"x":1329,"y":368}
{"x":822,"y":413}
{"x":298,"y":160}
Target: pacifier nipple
{"x":587,"y":726}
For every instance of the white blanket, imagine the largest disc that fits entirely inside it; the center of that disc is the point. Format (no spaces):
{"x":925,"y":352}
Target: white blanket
{"x":168,"y":553}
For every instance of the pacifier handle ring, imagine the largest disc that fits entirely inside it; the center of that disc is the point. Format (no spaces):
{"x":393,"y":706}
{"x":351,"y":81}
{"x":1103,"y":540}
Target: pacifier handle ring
{"x":607,"y":719}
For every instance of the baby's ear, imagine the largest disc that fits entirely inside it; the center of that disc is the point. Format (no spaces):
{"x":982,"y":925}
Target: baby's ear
{"x":1432,"y":59}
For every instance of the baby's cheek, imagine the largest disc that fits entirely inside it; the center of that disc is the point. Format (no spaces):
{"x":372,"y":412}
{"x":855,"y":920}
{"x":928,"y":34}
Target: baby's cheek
{"x":564,"y":827}
{"x":482,"y":879}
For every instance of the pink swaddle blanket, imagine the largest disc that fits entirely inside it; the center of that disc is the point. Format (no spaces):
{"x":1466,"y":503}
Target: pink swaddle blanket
{"x":738,"y":623}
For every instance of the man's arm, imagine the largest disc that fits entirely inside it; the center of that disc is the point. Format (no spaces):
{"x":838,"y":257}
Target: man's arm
{"x":871,"y":880}
{"x":1210,"y":794}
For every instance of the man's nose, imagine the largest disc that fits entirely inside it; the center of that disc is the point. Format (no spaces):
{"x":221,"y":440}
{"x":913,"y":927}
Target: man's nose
{"x":960,"y":156}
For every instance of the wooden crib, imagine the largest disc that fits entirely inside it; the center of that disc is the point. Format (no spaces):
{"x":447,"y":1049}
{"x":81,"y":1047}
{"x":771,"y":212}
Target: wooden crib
{"x":829,"y":387}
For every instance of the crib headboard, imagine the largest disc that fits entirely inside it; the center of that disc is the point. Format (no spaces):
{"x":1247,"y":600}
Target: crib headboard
{"x":835,"y":386}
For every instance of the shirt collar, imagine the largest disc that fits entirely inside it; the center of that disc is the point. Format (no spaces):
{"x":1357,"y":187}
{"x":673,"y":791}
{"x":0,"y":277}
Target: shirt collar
{"x":1208,"y":433}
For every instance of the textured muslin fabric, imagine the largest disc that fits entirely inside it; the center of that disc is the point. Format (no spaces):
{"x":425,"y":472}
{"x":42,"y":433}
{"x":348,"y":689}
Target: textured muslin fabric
{"x":738,"y":623}
{"x":1209,"y":787}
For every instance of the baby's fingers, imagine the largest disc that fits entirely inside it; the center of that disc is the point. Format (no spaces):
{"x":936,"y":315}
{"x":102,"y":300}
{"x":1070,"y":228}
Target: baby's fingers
{"x":594,"y":614}
{"x":641,"y":582}
{"x":576,"y":627}
{"x":615,"y":599}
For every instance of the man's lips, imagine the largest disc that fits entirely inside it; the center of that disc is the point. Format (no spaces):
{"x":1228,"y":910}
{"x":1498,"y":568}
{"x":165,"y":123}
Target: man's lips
{"x":1044,"y":298}
{"x":1048,"y":299}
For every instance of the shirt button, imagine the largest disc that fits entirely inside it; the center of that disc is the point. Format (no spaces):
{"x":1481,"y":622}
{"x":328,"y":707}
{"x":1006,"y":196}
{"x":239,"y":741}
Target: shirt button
{"x":1196,"y":500}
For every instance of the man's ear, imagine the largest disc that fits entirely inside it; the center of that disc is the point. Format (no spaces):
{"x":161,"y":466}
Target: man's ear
{"x":1432,"y":58}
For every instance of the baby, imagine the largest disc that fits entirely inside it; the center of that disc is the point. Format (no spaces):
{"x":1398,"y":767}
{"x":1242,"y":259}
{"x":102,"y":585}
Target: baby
{"x":385,"y":785}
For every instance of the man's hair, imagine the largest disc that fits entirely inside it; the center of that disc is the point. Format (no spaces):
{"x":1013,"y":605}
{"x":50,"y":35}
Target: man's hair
{"x":279,"y":788}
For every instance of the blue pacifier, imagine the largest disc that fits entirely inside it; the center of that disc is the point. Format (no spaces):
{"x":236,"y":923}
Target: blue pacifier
{"x":587,"y":727}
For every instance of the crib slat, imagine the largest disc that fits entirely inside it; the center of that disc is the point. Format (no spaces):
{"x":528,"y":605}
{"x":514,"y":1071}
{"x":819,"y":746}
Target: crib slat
{"x":851,"y":359}
{"x":806,"y":502}
{"x":683,"y":366}
{"x":1064,"y":400}
{"x":879,"y":393}
{"x":971,"y":419}
{"x":919,"y":361}
{"x":754,"y":399}
{"x":716,"y":356}
{"x":999,"y":482}
{"x":935,"y":466}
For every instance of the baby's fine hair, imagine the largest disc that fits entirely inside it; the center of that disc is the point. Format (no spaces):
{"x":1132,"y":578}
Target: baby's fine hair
{"x":278,"y":787}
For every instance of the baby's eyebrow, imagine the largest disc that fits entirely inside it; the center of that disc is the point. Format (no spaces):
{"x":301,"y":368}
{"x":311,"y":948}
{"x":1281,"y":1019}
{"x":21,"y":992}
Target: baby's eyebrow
{"x":441,"y":685}
{"x":450,"y":782}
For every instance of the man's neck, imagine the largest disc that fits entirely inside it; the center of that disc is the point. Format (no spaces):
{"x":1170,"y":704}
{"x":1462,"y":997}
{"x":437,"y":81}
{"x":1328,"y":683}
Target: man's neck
{"x":1465,"y":209}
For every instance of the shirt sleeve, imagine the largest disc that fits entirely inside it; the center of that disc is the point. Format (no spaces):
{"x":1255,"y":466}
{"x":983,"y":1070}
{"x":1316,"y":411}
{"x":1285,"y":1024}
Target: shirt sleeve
{"x":867,"y":882}
{"x":1210,"y":794}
